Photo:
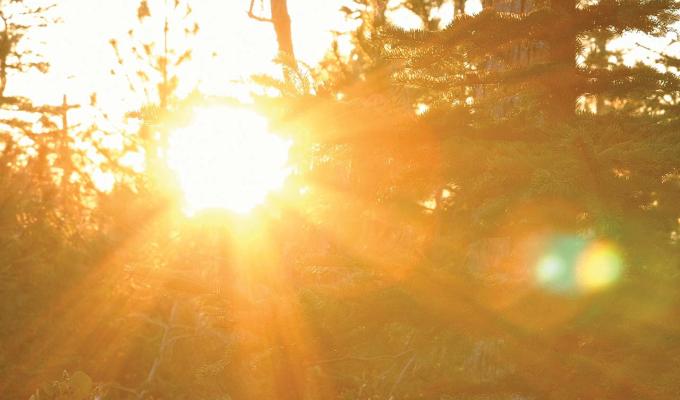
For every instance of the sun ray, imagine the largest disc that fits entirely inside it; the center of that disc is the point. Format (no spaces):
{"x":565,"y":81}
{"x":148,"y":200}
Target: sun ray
{"x":81,"y":307}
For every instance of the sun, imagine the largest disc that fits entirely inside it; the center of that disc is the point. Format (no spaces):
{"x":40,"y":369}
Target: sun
{"x":226,"y":158}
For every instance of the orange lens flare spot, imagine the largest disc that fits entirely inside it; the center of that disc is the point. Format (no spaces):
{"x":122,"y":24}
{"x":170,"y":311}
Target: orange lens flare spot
{"x":599,"y":267}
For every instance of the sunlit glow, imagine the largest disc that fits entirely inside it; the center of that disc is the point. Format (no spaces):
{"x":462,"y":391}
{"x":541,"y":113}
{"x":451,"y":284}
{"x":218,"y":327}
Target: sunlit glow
{"x":599,"y":267}
{"x":226,"y":158}
{"x":225,"y":33}
{"x":571,"y":264}
{"x":551,"y":270}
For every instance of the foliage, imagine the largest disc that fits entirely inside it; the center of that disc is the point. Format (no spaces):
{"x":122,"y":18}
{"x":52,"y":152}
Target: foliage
{"x":499,"y":160}
{"x":77,"y":386}
{"x":448,"y":195}
{"x":21,"y":19}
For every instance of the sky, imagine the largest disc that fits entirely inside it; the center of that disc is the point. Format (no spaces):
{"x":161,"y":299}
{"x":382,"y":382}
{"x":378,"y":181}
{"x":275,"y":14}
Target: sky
{"x":81,"y":57}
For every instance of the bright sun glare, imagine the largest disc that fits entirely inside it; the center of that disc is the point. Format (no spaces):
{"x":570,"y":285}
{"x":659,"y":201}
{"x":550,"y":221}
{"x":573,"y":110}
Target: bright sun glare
{"x":227,"y":158}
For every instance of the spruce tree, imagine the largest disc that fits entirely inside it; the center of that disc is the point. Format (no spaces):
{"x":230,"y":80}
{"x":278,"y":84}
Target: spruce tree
{"x":460,"y":224}
{"x":466,"y":214}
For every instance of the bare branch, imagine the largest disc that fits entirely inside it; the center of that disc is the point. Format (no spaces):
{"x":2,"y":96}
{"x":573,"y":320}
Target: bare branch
{"x":358,"y":358}
{"x":401,"y":376}
{"x":252,"y":15}
{"x":671,"y":60}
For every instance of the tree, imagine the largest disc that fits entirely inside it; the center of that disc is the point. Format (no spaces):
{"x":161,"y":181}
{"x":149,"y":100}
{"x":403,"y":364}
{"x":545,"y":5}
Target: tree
{"x":499,"y":171}
{"x":20,"y":19}
{"x":452,"y":229}
{"x":47,"y":225}
{"x":280,"y":20}
{"x":150,"y":61}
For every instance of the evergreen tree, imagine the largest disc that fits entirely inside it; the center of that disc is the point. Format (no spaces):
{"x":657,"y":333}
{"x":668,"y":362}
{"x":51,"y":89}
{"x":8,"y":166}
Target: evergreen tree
{"x":457,"y":226}
{"x":47,"y":166}
{"x":21,"y":18}
{"x":150,"y":60}
{"x":453,"y":213}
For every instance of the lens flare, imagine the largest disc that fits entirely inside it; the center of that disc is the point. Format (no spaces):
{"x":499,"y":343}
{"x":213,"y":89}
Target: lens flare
{"x":571,"y":264}
{"x":599,"y":267}
{"x":227,"y":159}
{"x":552,"y":271}
{"x":555,"y":270}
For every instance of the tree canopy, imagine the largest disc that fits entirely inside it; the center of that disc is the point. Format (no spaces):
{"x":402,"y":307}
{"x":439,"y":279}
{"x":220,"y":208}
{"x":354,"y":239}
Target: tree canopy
{"x":486,"y":208}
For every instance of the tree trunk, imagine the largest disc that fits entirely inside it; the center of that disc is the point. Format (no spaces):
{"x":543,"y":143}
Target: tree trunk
{"x":562,"y":87}
{"x":458,"y":8}
{"x":284,"y":36}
